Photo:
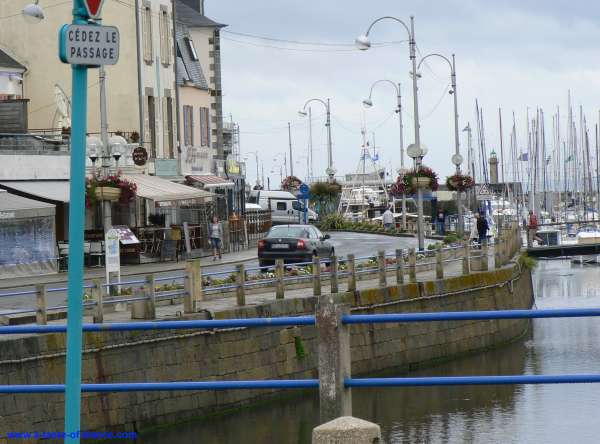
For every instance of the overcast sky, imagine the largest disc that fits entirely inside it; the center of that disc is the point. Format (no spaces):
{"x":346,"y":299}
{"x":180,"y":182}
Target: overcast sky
{"x":511,"y":54}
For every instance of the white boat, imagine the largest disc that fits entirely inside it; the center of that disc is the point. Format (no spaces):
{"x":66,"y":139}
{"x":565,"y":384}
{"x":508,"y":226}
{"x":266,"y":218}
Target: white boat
{"x":589,"y":234}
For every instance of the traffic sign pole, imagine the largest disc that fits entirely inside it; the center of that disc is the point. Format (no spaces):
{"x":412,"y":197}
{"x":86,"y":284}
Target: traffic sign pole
{"x":76,"y":227}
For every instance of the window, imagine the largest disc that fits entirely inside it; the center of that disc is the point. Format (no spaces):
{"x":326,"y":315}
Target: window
{"x":297,"y":206}
{"x":165,"y":36}
{"x":192,"y":49}
{"x":188,"y":125}
{"x":147,"y":32}
{"x":152,"y":125}
{"x":204,"y":127}
{"x":170,"y":127}
{"x":282,"y":206}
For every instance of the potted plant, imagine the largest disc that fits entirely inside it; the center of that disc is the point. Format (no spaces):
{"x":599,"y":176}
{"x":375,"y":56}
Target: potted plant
{"x":134,"y":137}
{"x":460,"y":182}
{"x":111,"y":188}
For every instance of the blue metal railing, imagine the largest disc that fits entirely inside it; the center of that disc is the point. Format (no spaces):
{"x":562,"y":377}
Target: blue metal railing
{"x":310,"y":383}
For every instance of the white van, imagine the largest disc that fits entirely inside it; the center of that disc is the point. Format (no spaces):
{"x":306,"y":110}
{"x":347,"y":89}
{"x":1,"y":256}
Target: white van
{"x":284,"y":206}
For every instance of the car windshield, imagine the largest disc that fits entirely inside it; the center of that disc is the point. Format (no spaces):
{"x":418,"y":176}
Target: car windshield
{"x":295,"y":232}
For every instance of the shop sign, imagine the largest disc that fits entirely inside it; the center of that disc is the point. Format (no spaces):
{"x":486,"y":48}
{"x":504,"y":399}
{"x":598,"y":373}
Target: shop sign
{"x":139,"y":156}
{"x":112,"y":254}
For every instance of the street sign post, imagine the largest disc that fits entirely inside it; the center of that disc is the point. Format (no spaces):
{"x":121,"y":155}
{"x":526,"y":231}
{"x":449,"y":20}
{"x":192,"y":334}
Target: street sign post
{"x":304,"y":195}
{"x":483,"y":192}
{"x":99,"y":42}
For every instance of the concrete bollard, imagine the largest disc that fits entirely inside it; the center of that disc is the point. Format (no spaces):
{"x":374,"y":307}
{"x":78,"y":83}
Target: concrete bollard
{"x":334,"y":363}
{"x":41,"y":316}
{"x":241,"y":284}
{"x":193,"y":286}
{"x":439,"y":265}
{"x":485,"y":256}
{"x":466,"y":262}
{"x":350,"y":261}
{"x":381,"y":269}
{"x":333,"y":275}
{"x":150,"y":293}
{"x":399,"y":267}
{"x":279,"y":273}
{"x":316,"y":276}
{"x":347,"y":430}
{"x":412,"y":265}
{"x":97,"y":296}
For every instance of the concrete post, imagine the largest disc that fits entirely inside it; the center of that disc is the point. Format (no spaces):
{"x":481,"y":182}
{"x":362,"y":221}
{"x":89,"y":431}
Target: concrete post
{"x":399,"y":267}
{"x":334,"y":359}
{"x":412,"y":265}
{"x":466,"y":262}
{"x":150,"y":293}
{"x":41,"y":317}
{"x":279,"y":273}
{"x":351,"y":273}
{"x":193,"y":286}
{"x":439,"y":265}
{"x":381,"y":269}
{"x":97,"y":296}
{"x":241,"y":284}
{"x":347,"y":429}
{"x":484,"y":256}
{"x":333,"y":277}
{"x":316,"y":276}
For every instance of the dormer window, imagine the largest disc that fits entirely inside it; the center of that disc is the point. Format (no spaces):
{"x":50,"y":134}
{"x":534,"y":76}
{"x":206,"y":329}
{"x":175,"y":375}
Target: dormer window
{"x":192,"y":49}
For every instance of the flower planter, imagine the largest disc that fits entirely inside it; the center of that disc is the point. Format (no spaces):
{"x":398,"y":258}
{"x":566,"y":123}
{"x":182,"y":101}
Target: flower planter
{"x":421,"y":182}
{"x":454,"y":183}
{"x":110,"y":194}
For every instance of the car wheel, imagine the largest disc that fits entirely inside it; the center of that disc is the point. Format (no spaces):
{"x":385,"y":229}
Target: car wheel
{"x":264,"y":265}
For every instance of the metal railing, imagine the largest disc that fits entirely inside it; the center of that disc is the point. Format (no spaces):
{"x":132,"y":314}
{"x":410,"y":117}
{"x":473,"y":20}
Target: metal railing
{"x":194,"y":285}
{"x":331,"y":319}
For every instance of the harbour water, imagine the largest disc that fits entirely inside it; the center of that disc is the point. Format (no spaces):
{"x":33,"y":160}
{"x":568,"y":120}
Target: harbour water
{"x":486,"y":414}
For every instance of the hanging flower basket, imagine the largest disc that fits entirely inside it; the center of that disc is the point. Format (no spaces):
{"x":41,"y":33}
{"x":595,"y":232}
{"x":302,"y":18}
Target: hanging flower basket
{"x":460,"y":182}
{"x":291,"y":183}
{"x":411,"y":180}
{"x":108,"y":193}
{"x":111,"y":188}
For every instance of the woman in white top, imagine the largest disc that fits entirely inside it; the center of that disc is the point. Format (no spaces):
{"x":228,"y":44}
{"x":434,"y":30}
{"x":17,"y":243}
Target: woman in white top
{"x":215,"y":232}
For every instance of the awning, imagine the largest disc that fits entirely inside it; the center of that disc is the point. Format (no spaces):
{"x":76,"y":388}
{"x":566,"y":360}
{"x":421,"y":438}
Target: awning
{"x":54,"y":190}
{"x":164,"y":192}
{"x":209,"y":181}
{"x":17,"y":207}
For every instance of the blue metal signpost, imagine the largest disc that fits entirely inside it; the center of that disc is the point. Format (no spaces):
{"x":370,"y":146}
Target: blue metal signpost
{"x":81,"y":14}
{"x":304,"y":195}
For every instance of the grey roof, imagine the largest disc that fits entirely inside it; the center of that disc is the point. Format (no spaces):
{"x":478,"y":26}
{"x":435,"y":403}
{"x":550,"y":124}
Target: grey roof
{"x":7,"y":61}
{"x":193,"y":18}
{"x":187,"y":69}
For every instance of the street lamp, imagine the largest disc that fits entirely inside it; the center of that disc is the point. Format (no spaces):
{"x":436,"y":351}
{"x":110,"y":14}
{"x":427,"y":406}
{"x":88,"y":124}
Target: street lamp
{"x":330,"y":171}
{"x":117,"y":145}
{"x":33,"y":13}
{"x":94,"y":146}
{"x":257,"y":173}
{"x":363,"y":43}
{"x":457,"y":159}
{"x":368,"y":103}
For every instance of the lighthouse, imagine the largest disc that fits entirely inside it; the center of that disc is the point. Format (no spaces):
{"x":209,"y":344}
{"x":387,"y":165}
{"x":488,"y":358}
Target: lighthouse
{"x":493,"y":167}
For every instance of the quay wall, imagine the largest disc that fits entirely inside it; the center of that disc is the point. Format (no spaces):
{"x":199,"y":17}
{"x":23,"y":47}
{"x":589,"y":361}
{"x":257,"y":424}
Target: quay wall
{"x":252,"y":353}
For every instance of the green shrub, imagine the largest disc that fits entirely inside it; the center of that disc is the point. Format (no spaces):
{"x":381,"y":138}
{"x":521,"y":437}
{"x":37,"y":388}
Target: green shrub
{"x":451,"y":239}
{"x":333,"y":221}
{"x":527,"y":262}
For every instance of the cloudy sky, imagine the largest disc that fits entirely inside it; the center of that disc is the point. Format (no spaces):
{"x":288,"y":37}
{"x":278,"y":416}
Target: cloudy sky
{"x":511,"y":54}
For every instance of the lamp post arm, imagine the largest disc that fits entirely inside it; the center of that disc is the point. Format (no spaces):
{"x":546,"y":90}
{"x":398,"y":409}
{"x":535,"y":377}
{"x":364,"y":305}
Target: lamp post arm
{"x":315,"y":100}
{"x":384,"y":81}
{"x":387,"y":17}
{"x":450,"y":64}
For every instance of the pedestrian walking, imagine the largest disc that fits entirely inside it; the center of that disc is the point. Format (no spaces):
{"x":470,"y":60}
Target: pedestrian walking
{"x":441,"y":223}
{"x":482,"y":229}
{"x":388,"y":218}
{"x":215,"y":231}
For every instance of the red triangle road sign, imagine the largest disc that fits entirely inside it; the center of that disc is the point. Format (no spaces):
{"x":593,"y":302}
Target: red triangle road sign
{"x":94,"y":7}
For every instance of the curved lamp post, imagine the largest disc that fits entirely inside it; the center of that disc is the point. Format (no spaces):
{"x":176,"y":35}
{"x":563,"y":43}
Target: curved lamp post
{"x":363,"y":43}
{"x":368,"y":103}
{"x":456,"y":158}
{"x":330,"y":171}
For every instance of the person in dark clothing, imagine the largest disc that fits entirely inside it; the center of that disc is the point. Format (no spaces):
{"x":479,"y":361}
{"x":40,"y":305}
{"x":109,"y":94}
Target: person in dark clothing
{"x":482,"y":228}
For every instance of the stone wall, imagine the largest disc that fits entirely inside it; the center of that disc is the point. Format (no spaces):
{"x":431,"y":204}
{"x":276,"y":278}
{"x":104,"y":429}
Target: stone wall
{"x":259,"y":353}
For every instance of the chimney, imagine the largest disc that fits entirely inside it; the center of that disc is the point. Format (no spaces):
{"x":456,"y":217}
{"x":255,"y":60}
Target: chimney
{"x":493,"y":167}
